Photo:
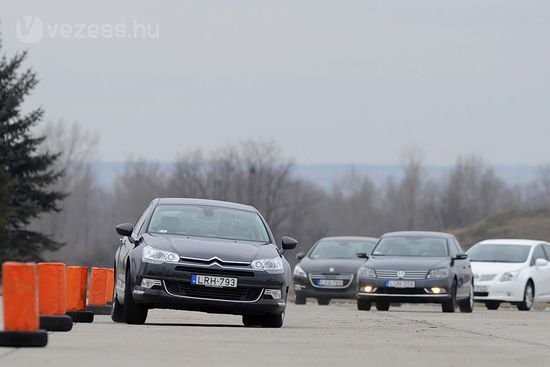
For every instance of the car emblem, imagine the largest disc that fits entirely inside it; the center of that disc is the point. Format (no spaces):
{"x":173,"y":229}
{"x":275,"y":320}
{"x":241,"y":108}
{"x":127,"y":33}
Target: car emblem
{"x":331,"y":270}
{"x":401,"y":274}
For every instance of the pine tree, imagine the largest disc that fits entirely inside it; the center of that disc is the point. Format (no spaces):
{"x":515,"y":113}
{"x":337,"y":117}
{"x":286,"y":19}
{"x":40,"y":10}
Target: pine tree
{"x":26,"y":175}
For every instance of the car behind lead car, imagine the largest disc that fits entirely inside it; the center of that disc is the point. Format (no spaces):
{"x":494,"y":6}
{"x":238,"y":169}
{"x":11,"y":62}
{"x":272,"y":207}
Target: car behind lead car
{"x":201,"y":255}
{"x":416,"y":267}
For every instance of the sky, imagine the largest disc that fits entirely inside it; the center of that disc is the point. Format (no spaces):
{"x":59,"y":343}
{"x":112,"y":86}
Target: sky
{"x":351,"y":82}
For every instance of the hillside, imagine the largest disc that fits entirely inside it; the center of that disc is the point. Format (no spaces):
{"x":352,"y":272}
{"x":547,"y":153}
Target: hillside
{"x":530,"y":225}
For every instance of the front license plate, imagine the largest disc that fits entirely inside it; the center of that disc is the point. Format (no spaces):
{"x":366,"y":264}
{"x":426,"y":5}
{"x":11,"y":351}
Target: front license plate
{"x":212,"y":281}
{"x":330,"y":282}
{"x":400,"y":283}
{"x":481,"y":288}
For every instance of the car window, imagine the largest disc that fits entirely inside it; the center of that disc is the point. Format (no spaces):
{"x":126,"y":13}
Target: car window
{"x":486,"y":252}
{"x":139,"y":224}
{"x":340,"y":249}
{"x":538,"y":253}
{"x":208,"y":221}
{"x":547,"y":250}
{"x":412,"y":246}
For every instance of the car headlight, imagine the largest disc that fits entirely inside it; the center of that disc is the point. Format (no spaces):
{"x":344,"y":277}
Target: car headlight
{"x":509,"y":276}
{"x":272,"y":266}
{"x":366,"y":272}
{"x":299,"y":272}
{"x":155,"y":256}
{"x":438,"y":273}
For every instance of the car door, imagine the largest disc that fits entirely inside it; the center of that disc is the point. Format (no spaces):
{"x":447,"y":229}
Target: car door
{"x":126,"y":245}
{"x":462,"y":269}
{"x":545,"y":273}
{"x":541,"y":274}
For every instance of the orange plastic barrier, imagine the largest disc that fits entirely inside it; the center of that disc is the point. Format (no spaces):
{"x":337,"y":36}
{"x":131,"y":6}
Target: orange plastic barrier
{"x":77,"y":283}
{"x":110,"y":284}
{"x":98,"y":287}
{"x":52,"y":289}
{"x":20,"y":302}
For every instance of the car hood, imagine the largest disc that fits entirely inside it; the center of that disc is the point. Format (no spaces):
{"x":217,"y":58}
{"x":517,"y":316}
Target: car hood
{"x":207,"y":248}
{"x":495,"y":268}
{"x":406,"y":262}
{"x":325,"y":265}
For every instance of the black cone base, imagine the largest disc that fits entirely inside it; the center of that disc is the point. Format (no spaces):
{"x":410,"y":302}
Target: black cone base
{"x":81,"y":316}
{"x":56,"y":323}
{"x":99,"y":310}
{"x":21,"y":339}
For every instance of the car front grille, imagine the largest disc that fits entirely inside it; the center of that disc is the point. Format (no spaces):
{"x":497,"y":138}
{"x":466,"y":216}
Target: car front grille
{"x":481,"y":294}
{"x":346,"y":278}
{"x":230,"y":294}
{"x":485,"y":277}
{"x":409,"y":275}
{"x":212,"y":271}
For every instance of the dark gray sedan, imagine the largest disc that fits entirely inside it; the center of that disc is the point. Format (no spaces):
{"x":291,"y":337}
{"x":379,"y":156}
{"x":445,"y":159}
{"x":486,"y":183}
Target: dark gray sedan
{"x":416,"y":267}
{"x":329,"y":269}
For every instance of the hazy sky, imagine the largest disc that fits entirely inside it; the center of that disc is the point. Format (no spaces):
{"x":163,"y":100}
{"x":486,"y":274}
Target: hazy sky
{"x":330,"y":81}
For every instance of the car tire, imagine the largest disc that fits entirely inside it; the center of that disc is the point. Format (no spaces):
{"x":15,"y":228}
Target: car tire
{"x":492,"y":305}
{"x":300,"y":300}
{"x":363,"y":305}
{"x":252,"y":320}
{"x":528,"y":297}
{"x":382,"y":305}
{"x":117,"y":310}
{"x":467,"y":305}
{"x":134,"y":313}
{"x":323,"y":301}
{"x":273,"y":321}
{"x":450,"y":305}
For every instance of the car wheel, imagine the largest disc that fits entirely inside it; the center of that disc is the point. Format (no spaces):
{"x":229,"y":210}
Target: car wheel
{"x":363,"y":305}
{"x":382,"y":305}
{"x":323,"y":301}
{"x":273,"y":321}
{"x":133,"y":313}
{"x":252,"y":320}
{"x":467,"y":305}
{"x":492,"y":305}
{"x":450,"y":305}
{"x":117,"y":310}
{"x":300,"y":300}
{"x":528,"y":297}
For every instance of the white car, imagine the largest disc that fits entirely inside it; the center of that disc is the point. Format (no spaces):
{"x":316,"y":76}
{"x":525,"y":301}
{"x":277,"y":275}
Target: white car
{"x":507,"y":270}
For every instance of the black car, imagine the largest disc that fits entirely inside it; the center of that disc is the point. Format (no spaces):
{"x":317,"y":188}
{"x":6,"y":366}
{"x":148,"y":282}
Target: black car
{"x":201,"y":255}
{"x":416,"y":267}
{"x":329,"y":268}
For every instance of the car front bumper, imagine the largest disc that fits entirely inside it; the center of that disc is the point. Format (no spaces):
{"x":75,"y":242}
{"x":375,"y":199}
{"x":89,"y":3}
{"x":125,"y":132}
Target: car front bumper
{"x":304,"y":288}
{"x":512,"y":291}
{"x":419,"y":294}
{"x":177,"y":292}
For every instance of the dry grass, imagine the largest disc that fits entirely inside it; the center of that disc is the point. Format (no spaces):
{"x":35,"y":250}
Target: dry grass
{"x":529,"y":225}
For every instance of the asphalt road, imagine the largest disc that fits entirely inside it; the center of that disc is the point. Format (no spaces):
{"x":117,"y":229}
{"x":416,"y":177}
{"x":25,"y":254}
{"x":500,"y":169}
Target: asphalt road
{"x":334,"y":336}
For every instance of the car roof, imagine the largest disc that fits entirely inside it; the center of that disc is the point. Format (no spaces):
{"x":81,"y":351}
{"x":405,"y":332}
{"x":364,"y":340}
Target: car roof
{"x":418,"y":234}
{"x":350,"y":238}
{"x":510,"y":241}
{"x":206,"y":202}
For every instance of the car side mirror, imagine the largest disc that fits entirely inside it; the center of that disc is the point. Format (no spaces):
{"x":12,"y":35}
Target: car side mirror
{"x":541,"y":263}
{"x":362,"y":255}
{"x":461,"y":256}
{"x":289,"y":243}
{"x":300,"y":255}
{"x":125,"y":229}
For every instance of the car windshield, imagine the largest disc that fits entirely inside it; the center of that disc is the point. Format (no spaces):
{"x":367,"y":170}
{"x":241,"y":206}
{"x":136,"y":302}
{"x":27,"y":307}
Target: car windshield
{"x":412,"y":246}
{"x":208,"y":221}
{"x":340,"y":249}
{"x":499,"y":253}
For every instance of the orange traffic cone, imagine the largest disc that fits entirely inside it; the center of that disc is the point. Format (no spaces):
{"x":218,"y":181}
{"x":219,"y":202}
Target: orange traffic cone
{"x":52,"y":303}
{"x":97,"y":301}
{"x":20,"y":307}
{"x":77,"y":284}
{"x":110,"y":285}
